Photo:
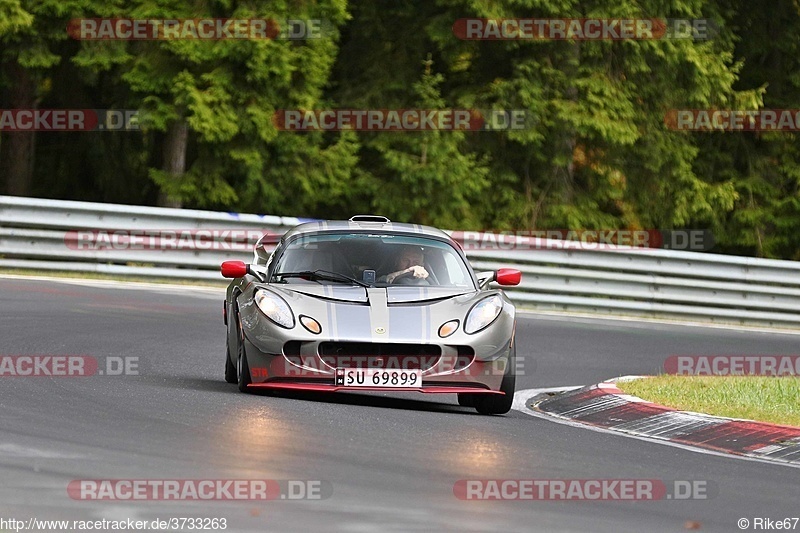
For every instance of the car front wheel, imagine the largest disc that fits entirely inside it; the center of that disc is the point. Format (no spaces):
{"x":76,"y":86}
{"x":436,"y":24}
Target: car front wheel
{"x":242,"y":368}
{"x":230,"y":370}
{"x":466,"y":399}
{"x":494,"y":404}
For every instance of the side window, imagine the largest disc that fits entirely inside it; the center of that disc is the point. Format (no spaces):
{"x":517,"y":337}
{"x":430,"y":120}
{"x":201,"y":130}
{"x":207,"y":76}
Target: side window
{"x":270,"y":262}
{"x":264,"y":251}
{"x":455,"y":270}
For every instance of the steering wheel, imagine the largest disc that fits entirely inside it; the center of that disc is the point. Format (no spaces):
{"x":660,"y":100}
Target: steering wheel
{"x":409,"y":279}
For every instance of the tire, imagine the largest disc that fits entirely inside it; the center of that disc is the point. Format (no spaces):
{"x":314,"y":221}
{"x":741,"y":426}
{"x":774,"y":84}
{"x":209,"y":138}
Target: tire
{"x":242,"y":368}
{"x":466,"y":400}
{"x":494,"y":404}
{"x":230,"y":368}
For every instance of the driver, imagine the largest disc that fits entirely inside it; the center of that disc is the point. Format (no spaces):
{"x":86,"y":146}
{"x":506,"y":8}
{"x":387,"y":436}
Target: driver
{"x":411,"y":260}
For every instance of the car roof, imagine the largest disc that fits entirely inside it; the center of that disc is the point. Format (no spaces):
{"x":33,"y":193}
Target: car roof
{"x":362,"y":226}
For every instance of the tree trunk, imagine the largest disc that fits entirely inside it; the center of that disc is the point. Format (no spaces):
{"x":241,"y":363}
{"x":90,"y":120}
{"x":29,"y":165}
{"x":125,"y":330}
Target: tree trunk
{"x":17,"y":158}
{"x":174,"y":156}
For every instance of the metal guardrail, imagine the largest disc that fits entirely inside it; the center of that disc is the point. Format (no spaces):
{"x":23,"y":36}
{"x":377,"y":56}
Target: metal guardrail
{"x":34,"y":234}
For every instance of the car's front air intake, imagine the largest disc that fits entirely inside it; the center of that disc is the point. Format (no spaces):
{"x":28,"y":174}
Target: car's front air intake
{"x":379,"y":355}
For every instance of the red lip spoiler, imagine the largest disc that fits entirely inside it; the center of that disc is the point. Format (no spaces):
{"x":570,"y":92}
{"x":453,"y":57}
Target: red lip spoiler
{"x":333,"y":388}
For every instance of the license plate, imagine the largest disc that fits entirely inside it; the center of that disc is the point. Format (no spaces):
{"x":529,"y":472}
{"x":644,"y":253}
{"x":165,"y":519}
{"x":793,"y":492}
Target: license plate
{"x":377,"y":377}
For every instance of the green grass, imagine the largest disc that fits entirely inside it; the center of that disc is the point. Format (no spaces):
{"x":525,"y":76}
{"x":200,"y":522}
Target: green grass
{"x":765,"y":399}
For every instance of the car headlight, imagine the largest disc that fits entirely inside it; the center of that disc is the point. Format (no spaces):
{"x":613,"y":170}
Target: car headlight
{"x":483,"y":313}
{"x":275,"y":308}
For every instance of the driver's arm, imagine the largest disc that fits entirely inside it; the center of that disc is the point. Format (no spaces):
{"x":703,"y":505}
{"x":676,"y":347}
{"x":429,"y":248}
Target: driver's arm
{"x":419,"y":272}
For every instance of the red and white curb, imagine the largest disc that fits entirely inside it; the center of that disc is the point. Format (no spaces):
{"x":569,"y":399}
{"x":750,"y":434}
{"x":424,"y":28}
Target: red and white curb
{"x":605,"y":407}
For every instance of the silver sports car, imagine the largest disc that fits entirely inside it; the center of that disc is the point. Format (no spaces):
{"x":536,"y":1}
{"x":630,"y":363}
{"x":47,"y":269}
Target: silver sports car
{"x":370,"y":305}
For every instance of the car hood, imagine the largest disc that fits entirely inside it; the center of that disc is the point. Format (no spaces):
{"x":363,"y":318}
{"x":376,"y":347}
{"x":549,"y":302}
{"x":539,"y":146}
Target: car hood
{"x":393,"y":295}
{"x":406,"y":314}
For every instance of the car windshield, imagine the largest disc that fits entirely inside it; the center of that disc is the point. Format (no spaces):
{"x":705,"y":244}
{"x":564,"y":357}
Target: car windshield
{"x":374,"y":259}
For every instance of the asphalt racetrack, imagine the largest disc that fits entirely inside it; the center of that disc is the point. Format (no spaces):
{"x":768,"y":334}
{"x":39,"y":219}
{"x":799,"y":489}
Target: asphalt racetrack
{"x":387,"y":462}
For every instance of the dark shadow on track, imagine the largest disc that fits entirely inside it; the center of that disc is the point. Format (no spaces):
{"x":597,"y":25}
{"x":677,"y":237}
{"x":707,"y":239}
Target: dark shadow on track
{"x":368,"y":400}
{"x":178,"y":382}
{"x":338,"y":398}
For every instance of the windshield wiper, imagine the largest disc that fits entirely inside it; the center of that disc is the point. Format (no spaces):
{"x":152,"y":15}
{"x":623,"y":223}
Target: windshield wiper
{"x":327,"y":275}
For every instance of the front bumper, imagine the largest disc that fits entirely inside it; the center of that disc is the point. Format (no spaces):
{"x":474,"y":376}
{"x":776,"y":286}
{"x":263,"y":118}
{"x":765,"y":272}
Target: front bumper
{"x":453,"y":371}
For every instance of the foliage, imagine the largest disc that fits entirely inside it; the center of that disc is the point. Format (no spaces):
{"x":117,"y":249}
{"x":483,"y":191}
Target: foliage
{"x":597,"y":153}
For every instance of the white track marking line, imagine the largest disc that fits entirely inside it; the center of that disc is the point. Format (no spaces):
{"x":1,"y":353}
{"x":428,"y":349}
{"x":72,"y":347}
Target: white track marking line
{"x":644,"y":322}
{"x":521,"y":398}
{"x":8,"y":449}
{"x":115,"y":284}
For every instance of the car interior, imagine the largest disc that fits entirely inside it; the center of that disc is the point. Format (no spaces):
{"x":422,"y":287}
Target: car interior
{"x":356,"y":256}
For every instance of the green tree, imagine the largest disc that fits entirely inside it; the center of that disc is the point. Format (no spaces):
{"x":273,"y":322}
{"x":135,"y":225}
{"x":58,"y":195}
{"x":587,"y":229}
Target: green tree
{"x":208,"y":105}
{"x":31,"y":33}
{"x":764,"y":167}
{"x":428,"y":177}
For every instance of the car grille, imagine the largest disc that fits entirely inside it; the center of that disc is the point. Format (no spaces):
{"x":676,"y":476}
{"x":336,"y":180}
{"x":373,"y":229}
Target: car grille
{"x":379,"y":355}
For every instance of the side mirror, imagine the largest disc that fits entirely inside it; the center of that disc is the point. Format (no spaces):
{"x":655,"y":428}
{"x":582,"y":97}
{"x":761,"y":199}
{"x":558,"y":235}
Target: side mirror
{"x":234,"y":269}
{"x":485,"y":278}
{"x":508,"y":276}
